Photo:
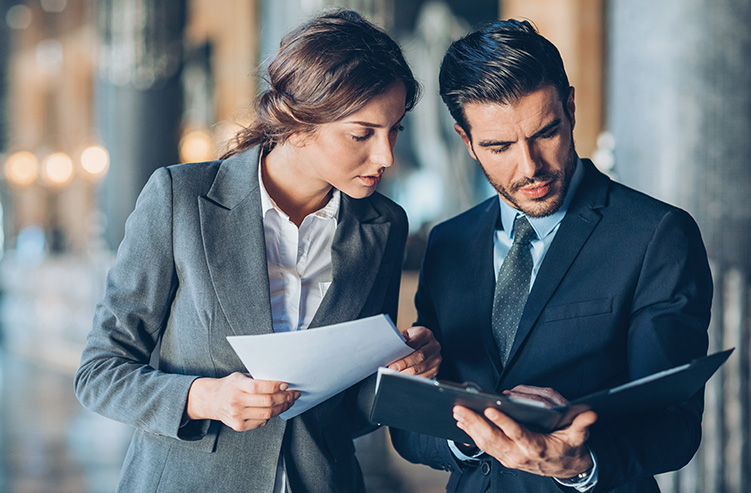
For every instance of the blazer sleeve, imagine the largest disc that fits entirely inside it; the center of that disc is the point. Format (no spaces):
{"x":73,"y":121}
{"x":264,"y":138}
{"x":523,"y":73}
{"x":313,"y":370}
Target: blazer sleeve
{"x":668,"y":327}
{"x":415,"y":447}
{"x":114,"y":377}
{"x":362,"y":395}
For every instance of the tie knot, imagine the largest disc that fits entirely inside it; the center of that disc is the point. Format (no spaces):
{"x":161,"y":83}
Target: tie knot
{"x":523,"y":231}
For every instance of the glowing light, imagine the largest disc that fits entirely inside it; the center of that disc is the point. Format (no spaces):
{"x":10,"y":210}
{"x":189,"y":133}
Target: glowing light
{"x":22,"y":168}
{"x":49,"y":56}
{"x":58,"y":168}
{"x":95,"y":161}
{"x":53,"y":5}
{"x":196,"y":146}
{"x":18,"y":17}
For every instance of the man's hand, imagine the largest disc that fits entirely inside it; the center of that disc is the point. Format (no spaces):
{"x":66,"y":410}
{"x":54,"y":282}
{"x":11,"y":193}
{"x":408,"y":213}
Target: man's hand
{"x":560,"y":454}
{"x":238,"y":400}
{"x":426,"y":359}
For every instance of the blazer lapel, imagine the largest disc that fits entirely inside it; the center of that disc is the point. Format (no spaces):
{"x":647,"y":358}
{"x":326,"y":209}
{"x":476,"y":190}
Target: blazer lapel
{"x":358,"y":247}
{"x":233,"y":239}
{"x":576,"y":227}
{"x":481,"y":273}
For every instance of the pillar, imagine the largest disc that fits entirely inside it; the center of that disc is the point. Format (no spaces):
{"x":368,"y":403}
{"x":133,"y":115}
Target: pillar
{"x":679,"y":108}
{"x":138,"y":98}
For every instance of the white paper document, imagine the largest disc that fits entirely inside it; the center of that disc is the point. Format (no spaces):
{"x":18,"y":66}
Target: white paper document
{"x":323,"y":361}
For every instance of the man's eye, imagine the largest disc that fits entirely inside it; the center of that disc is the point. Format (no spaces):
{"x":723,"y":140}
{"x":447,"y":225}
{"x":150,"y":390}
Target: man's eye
{"x":499,"y":149}
{"x":550,"y":133}
{"x":398,"y":128}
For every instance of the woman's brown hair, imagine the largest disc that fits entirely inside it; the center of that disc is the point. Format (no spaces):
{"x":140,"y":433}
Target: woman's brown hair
{"x":326,"y":69}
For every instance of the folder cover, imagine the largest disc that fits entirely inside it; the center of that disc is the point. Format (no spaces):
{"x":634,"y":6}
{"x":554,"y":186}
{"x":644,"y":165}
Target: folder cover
{"x":425,"y":406}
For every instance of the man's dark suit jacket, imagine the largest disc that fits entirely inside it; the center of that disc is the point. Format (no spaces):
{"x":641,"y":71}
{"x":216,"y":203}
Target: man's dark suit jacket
{"x":624,"y":291}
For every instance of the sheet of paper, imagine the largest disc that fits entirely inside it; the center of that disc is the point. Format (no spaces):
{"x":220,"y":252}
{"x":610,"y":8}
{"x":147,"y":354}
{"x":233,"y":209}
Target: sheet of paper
{"x":321,"y":362}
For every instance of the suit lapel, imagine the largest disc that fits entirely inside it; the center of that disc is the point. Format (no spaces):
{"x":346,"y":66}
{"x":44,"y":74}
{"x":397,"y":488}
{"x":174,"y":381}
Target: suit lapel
{"x":481,"y":273}
{"x":576,"y":228}
{"x":233,"y":239}
{"x":358,"y":247}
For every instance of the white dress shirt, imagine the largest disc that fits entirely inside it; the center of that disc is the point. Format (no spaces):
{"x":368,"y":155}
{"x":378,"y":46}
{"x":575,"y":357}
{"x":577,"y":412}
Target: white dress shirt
{"x":299,"y":266}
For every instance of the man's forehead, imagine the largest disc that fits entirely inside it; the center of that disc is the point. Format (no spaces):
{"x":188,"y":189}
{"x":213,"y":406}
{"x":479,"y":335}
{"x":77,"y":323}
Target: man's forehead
{"x":530,"y":112}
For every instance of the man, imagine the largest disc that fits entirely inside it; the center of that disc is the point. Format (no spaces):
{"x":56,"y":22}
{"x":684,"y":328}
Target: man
{"x":566,"y":280}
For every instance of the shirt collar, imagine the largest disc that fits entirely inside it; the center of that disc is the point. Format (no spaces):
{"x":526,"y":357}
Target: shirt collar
{"x":329,"y":211}
{"x":543,"y":226}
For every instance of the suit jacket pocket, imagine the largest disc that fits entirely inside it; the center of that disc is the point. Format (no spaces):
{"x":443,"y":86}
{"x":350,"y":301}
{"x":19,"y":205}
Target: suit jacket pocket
{"x":578,"y":310}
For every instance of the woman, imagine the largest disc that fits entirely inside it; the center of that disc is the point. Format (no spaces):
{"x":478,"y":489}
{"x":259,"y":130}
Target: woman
{"x":284,"y":233}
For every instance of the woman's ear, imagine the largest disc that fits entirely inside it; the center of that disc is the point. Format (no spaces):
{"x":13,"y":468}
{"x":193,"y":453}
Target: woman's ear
{"x":299,"y":139}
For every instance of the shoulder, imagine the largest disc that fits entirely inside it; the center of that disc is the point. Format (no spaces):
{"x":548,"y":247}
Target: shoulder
{"x":627,"y":209}
{"x":471,"y":220}
{"x":182,"y":180}
{"x":644,"y":211}
{"x":189,"y":176}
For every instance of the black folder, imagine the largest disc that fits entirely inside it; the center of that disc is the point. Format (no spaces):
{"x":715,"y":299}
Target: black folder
{"x":425,"y":406}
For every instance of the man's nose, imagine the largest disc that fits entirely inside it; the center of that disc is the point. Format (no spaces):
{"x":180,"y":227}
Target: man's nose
{"x":529,"y":162}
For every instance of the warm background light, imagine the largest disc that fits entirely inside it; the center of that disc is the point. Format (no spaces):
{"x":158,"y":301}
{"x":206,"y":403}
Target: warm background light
{"x":22,"y":168}
{"x":58,"y":168}
{"x":95,"y":161}
{"x":196,"y":146}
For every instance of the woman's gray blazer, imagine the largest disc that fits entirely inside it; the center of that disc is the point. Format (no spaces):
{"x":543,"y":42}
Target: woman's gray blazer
{"x":191,"y":270}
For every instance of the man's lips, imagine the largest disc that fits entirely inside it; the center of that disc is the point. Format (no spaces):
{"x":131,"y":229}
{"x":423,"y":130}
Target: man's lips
{"x":536,"y":191}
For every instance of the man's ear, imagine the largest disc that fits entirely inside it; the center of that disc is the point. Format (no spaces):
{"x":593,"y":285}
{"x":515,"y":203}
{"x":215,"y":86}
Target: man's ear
{"x":466,"y":139}
{"x":571,"y":107}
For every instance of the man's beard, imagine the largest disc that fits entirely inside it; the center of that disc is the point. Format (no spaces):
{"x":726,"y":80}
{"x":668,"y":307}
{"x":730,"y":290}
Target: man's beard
{"x":561,"y":176}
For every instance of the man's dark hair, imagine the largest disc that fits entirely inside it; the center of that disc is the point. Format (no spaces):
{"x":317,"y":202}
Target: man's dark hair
{"x":499,"y":64}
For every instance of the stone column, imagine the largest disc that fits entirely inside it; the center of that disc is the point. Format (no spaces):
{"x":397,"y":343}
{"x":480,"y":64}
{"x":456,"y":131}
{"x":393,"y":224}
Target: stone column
{"x":139,"y":98}
{"x":575,"y":27}
{"x":679,"y":108}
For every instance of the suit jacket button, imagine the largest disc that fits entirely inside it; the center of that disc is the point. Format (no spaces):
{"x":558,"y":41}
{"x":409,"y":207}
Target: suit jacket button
{"x":485,"y":468}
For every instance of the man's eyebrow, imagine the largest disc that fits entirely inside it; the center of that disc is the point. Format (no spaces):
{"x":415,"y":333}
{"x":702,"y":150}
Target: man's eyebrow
{"x":547,"y":128}
{"x":499,"y":143}
{"x":494,"y":143}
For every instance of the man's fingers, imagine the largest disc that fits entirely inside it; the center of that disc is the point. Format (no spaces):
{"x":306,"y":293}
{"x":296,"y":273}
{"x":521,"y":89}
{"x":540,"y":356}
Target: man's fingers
{"x":485,"y":435}
{"x":508,"y":426}
{"x":578,"y":430}
{"x":548,"y":396}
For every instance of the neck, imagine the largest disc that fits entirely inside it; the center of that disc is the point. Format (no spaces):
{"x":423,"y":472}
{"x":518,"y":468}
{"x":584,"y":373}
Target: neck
{"x":295,"y":195}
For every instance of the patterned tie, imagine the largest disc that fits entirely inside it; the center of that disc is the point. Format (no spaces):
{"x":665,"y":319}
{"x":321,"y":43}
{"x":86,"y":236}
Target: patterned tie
{"x":512,"y":288}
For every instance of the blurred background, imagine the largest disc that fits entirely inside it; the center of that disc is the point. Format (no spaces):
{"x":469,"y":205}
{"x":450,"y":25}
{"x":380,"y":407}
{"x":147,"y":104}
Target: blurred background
{"x":96,"y":94}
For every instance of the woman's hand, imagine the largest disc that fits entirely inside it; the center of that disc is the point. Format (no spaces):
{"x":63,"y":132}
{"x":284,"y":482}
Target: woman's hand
{"x":426,"y":359}
{"x":238,"y":400}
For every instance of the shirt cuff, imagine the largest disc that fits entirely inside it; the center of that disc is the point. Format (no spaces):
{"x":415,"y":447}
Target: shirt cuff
{"x":587,"y":483}
{"x":461,"y":455}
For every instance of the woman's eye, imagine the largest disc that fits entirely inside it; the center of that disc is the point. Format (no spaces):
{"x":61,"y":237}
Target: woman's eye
{"x":362,"y":137}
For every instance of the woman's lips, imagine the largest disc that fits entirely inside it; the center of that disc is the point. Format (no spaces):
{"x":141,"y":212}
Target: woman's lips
{"x":370,"y":180}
